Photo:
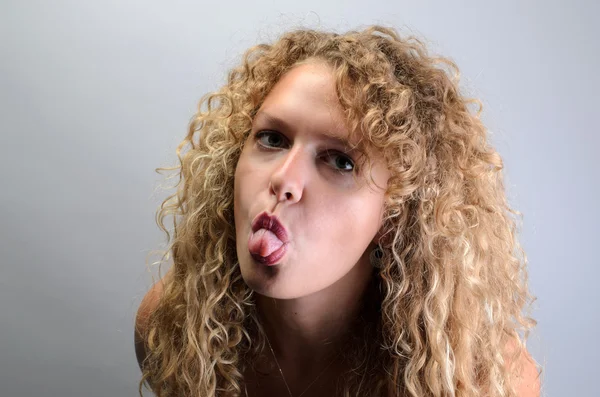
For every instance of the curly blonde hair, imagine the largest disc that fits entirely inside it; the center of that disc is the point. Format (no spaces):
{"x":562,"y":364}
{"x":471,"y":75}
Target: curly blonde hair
{"x":452,"y":290}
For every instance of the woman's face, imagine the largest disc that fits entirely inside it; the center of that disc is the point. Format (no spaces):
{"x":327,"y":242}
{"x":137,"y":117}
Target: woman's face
{"x":293,"y":168}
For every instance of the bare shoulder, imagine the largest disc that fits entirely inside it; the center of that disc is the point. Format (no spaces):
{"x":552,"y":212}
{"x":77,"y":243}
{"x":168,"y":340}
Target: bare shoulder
{"x":147,"y":306}
{"x":528,"y":379}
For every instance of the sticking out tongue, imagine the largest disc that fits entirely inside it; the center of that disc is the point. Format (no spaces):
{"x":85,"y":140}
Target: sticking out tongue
{"x":264,"y":242}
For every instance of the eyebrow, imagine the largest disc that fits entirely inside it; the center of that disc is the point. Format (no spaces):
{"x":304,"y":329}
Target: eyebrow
{"x":284,"y":125}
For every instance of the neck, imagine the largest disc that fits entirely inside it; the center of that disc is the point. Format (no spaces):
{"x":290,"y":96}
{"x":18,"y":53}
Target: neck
{"x":307,"y":332}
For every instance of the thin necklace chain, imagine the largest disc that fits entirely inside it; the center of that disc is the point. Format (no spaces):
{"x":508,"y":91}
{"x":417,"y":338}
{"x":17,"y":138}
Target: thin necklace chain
{"x":283,"y":377}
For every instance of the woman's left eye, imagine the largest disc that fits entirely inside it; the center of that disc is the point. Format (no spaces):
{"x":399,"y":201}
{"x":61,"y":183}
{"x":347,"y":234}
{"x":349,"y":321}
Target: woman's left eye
{"x":342,"y":163}
{"x":272,"y":139}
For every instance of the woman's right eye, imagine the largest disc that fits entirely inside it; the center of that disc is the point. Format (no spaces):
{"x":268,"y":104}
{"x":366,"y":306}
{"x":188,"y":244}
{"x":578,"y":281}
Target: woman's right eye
{"x":269,"y":139}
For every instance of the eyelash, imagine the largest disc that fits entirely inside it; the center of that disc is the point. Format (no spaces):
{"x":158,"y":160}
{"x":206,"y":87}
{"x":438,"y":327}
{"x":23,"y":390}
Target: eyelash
{"x":330,"y":153}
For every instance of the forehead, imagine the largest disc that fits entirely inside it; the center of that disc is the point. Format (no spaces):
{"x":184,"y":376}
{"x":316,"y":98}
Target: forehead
{"x":305,"y":98}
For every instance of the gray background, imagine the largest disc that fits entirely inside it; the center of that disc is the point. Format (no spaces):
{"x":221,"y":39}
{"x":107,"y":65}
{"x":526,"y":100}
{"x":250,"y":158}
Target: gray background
{"x":94,"y":95}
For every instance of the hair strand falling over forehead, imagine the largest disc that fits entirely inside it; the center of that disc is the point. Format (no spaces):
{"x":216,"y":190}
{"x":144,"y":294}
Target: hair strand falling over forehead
{"x":452,"y":291}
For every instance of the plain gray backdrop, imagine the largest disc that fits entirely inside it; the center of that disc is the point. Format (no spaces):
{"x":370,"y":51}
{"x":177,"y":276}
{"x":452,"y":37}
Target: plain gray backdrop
{"x":94,"y":95}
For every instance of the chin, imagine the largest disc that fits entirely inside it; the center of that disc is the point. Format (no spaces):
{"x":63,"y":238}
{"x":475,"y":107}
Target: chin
{"x":265,"y":280}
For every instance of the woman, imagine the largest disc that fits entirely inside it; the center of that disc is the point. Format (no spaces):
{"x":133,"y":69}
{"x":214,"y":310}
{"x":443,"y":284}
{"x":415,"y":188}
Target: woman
{"x":342,"y":229}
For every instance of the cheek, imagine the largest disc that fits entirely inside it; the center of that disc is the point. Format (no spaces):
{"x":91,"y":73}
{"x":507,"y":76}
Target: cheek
{"x":249,"y":182}
{"x":352,"y":224}
{"x":242,"y":178}
{"x":246,"y":187}
{"x":240,"y":187}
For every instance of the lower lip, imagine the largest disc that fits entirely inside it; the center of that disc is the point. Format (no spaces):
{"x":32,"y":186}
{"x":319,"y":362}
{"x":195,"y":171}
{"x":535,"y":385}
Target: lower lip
{"x":272,"y":259}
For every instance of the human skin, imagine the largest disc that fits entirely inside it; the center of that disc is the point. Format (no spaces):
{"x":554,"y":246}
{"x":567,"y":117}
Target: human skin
{"x":295,"y":173}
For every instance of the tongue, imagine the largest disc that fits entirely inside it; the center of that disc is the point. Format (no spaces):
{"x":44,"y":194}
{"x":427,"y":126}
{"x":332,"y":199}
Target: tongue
{"x":263,"y":243}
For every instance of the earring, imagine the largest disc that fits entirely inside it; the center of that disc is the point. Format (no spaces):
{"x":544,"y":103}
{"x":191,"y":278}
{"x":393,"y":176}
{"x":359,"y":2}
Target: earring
{"x":375,"y":257}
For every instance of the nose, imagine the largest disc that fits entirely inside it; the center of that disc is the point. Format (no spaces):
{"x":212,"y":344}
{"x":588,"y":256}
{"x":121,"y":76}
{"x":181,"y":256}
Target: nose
{"x":290,"y":176}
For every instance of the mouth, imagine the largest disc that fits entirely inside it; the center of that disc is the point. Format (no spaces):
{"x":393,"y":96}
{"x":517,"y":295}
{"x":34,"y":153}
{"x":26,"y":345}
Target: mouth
{"x":271,"y":223}
{"x":268,"y":242}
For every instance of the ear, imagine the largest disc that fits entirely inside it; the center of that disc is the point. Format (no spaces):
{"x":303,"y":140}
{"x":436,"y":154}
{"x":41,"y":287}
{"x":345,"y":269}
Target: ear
{"x":377,"y":239}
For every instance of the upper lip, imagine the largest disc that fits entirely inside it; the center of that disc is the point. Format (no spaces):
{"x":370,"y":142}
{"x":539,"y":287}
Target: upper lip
{"x":270,"y":222}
